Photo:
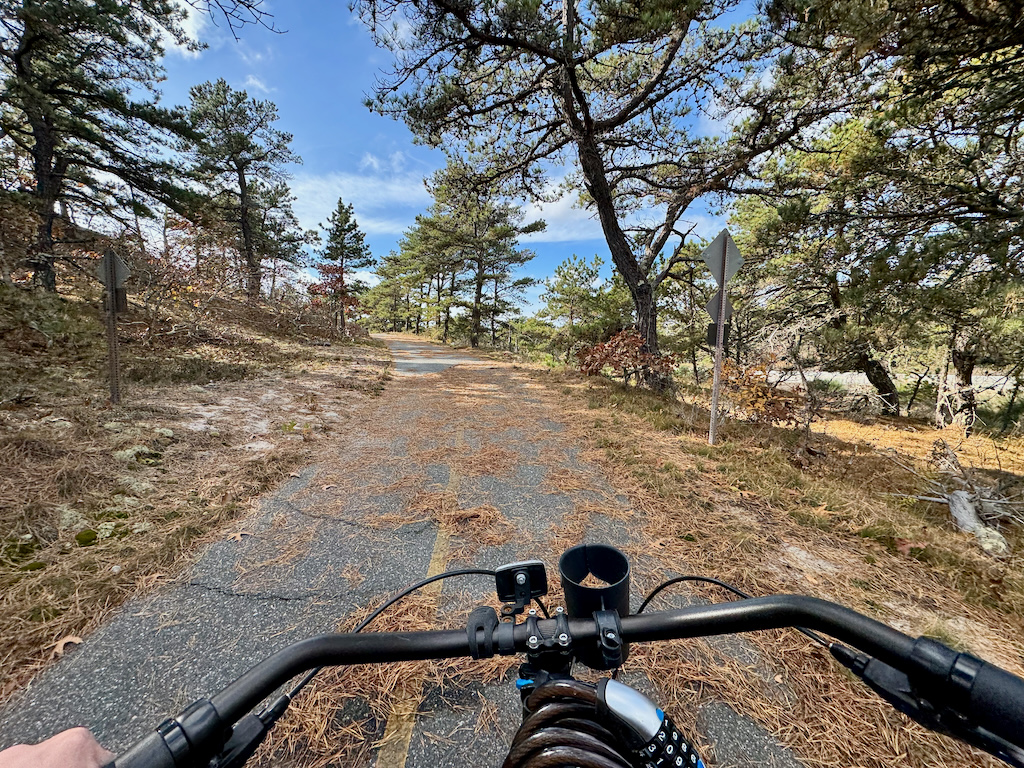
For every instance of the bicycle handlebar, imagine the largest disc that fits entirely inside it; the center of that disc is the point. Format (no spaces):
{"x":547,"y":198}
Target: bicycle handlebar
{"x":990,"y":697}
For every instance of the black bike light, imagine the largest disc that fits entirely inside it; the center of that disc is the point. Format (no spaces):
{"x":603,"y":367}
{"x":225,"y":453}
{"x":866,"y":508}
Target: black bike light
{"x":604,"y":564}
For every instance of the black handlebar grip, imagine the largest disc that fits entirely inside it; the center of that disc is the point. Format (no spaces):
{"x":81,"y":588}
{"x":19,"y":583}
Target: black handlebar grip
{"x":997,"y":703}
{"x":149,"y":752}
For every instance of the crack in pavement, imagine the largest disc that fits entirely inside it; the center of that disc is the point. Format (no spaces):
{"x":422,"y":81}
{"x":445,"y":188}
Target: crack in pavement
{"x":310,"y":597}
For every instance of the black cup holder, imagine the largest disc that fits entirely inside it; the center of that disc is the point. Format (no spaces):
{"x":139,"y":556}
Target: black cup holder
{"x":606,"y":564}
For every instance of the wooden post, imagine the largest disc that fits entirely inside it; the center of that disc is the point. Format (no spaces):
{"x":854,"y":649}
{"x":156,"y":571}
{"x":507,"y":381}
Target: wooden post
{"x":112,"y":301}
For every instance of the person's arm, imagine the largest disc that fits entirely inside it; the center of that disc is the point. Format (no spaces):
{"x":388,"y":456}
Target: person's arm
{"x":74,"y":748}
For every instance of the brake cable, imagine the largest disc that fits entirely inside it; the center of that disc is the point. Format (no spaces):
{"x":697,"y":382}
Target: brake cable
{"x":736,"y":591}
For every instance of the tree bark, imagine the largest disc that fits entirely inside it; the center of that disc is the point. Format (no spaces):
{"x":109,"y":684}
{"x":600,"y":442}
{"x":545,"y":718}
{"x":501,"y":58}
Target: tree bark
{"x":49,"y":173}
{"x":965,"y":410}
{"x":47,"y":169}
{"x":917,"y":387}
{"x":448,"y":309}
{"x":881,"y":381}
{"x":344,"y":296}
{"x":494,"y":314}
{"x":253,"y":272}
{"x":640,"y":288}
{"x":437,"y":315}
{"x":476,"y":316}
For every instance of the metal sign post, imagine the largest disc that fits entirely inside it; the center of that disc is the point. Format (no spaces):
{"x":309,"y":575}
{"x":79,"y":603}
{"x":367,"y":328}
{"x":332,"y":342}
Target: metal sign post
{"x":723,"y":259}
{"x":112,"y":273}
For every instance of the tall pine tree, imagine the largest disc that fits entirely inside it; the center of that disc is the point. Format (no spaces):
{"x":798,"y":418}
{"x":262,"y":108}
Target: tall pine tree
{"x":239,"y":150}
{"x":79,"y":97}
{"x":345,"y":251}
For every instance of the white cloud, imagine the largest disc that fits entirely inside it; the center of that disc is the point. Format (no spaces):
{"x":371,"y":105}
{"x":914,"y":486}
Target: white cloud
{"x":378,"y":199}
{"x":370,"y":278}
{"x":383,"y":225}
{"x":369,"y":162}
{"x":565,"y":221}
{"x":397,"y":161}
{"x":194,"y":25}
{"x":251,"y":56}
{"x":255,"y":83}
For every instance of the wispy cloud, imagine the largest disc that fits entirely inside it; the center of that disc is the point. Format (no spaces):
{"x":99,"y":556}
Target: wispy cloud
{"x":566,"y":221}
{"x":396,"y":162}
{"x":194,"y":25}
{"x":256,"y":84}
{"x":253,"y":56}
{"x":377,"y":198}
{"x":370,"y":278}
{"x":369,"y":162}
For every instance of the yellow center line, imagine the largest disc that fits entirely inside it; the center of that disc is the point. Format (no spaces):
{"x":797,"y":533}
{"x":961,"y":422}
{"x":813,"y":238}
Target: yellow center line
{"x":394,"y":747}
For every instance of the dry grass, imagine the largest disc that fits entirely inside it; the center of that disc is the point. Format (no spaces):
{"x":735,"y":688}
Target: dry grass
{"x":489,"y":461}
{"x":565,"y":480}
{"x":85,"y":529}
{"x":474,"y":527}
{"x":340,"y":717}
{"x":750,"y":512}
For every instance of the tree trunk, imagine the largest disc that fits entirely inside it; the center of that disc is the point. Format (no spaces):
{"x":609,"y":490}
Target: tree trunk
{"x":881,"y":381}
{"x":448,"y":309}
{"x":49,"y":181}
{"x":437,"y":315}
{"x":961,"y":507}
{"x":623,"y":257}
{"x":942,"y":397}
{"x":572,"y":334}
{"x":494,"y":313}
{"x":47,"y":168}
{"x":253,"y":273}
{"x":917,"y":388}
{"x":40,"y":258}
{"x":344,"y":297}
{"x":475,"y":316}
{"x":647,"y":326}
{"x":965,"y":409}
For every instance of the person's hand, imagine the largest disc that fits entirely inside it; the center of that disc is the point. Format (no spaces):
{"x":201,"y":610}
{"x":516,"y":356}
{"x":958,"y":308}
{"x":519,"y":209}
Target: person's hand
{"x":74,"y":748}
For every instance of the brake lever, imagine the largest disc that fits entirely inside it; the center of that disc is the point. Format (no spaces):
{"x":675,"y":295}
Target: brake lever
{"x":895,"y":687}
{"x":246,"y":737}
{"x":249,"y":733}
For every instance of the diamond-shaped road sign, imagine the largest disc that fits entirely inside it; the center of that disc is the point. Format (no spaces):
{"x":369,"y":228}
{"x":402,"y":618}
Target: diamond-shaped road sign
{"x":712,"y":307}
{"x":713,"y":257}
{"x":121,"y":271}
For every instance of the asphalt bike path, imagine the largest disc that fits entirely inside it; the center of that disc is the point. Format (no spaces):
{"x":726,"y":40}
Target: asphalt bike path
{"x":459,"y":463}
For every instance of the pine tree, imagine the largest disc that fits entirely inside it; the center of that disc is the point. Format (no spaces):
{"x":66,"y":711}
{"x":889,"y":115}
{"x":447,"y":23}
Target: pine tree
{"x":470,"y":224}
{"x":239,"y":149}
{"x":570,"y":297}
{"x":79,"y":97}
{"x":612,"y":89}
{"x":345,"y":251}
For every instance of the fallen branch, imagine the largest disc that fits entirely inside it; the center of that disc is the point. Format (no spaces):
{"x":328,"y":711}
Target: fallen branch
{"x":961,"y":507}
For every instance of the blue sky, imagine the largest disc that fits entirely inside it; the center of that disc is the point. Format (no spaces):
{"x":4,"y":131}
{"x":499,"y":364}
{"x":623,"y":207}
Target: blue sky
{"x":318,"y":72}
